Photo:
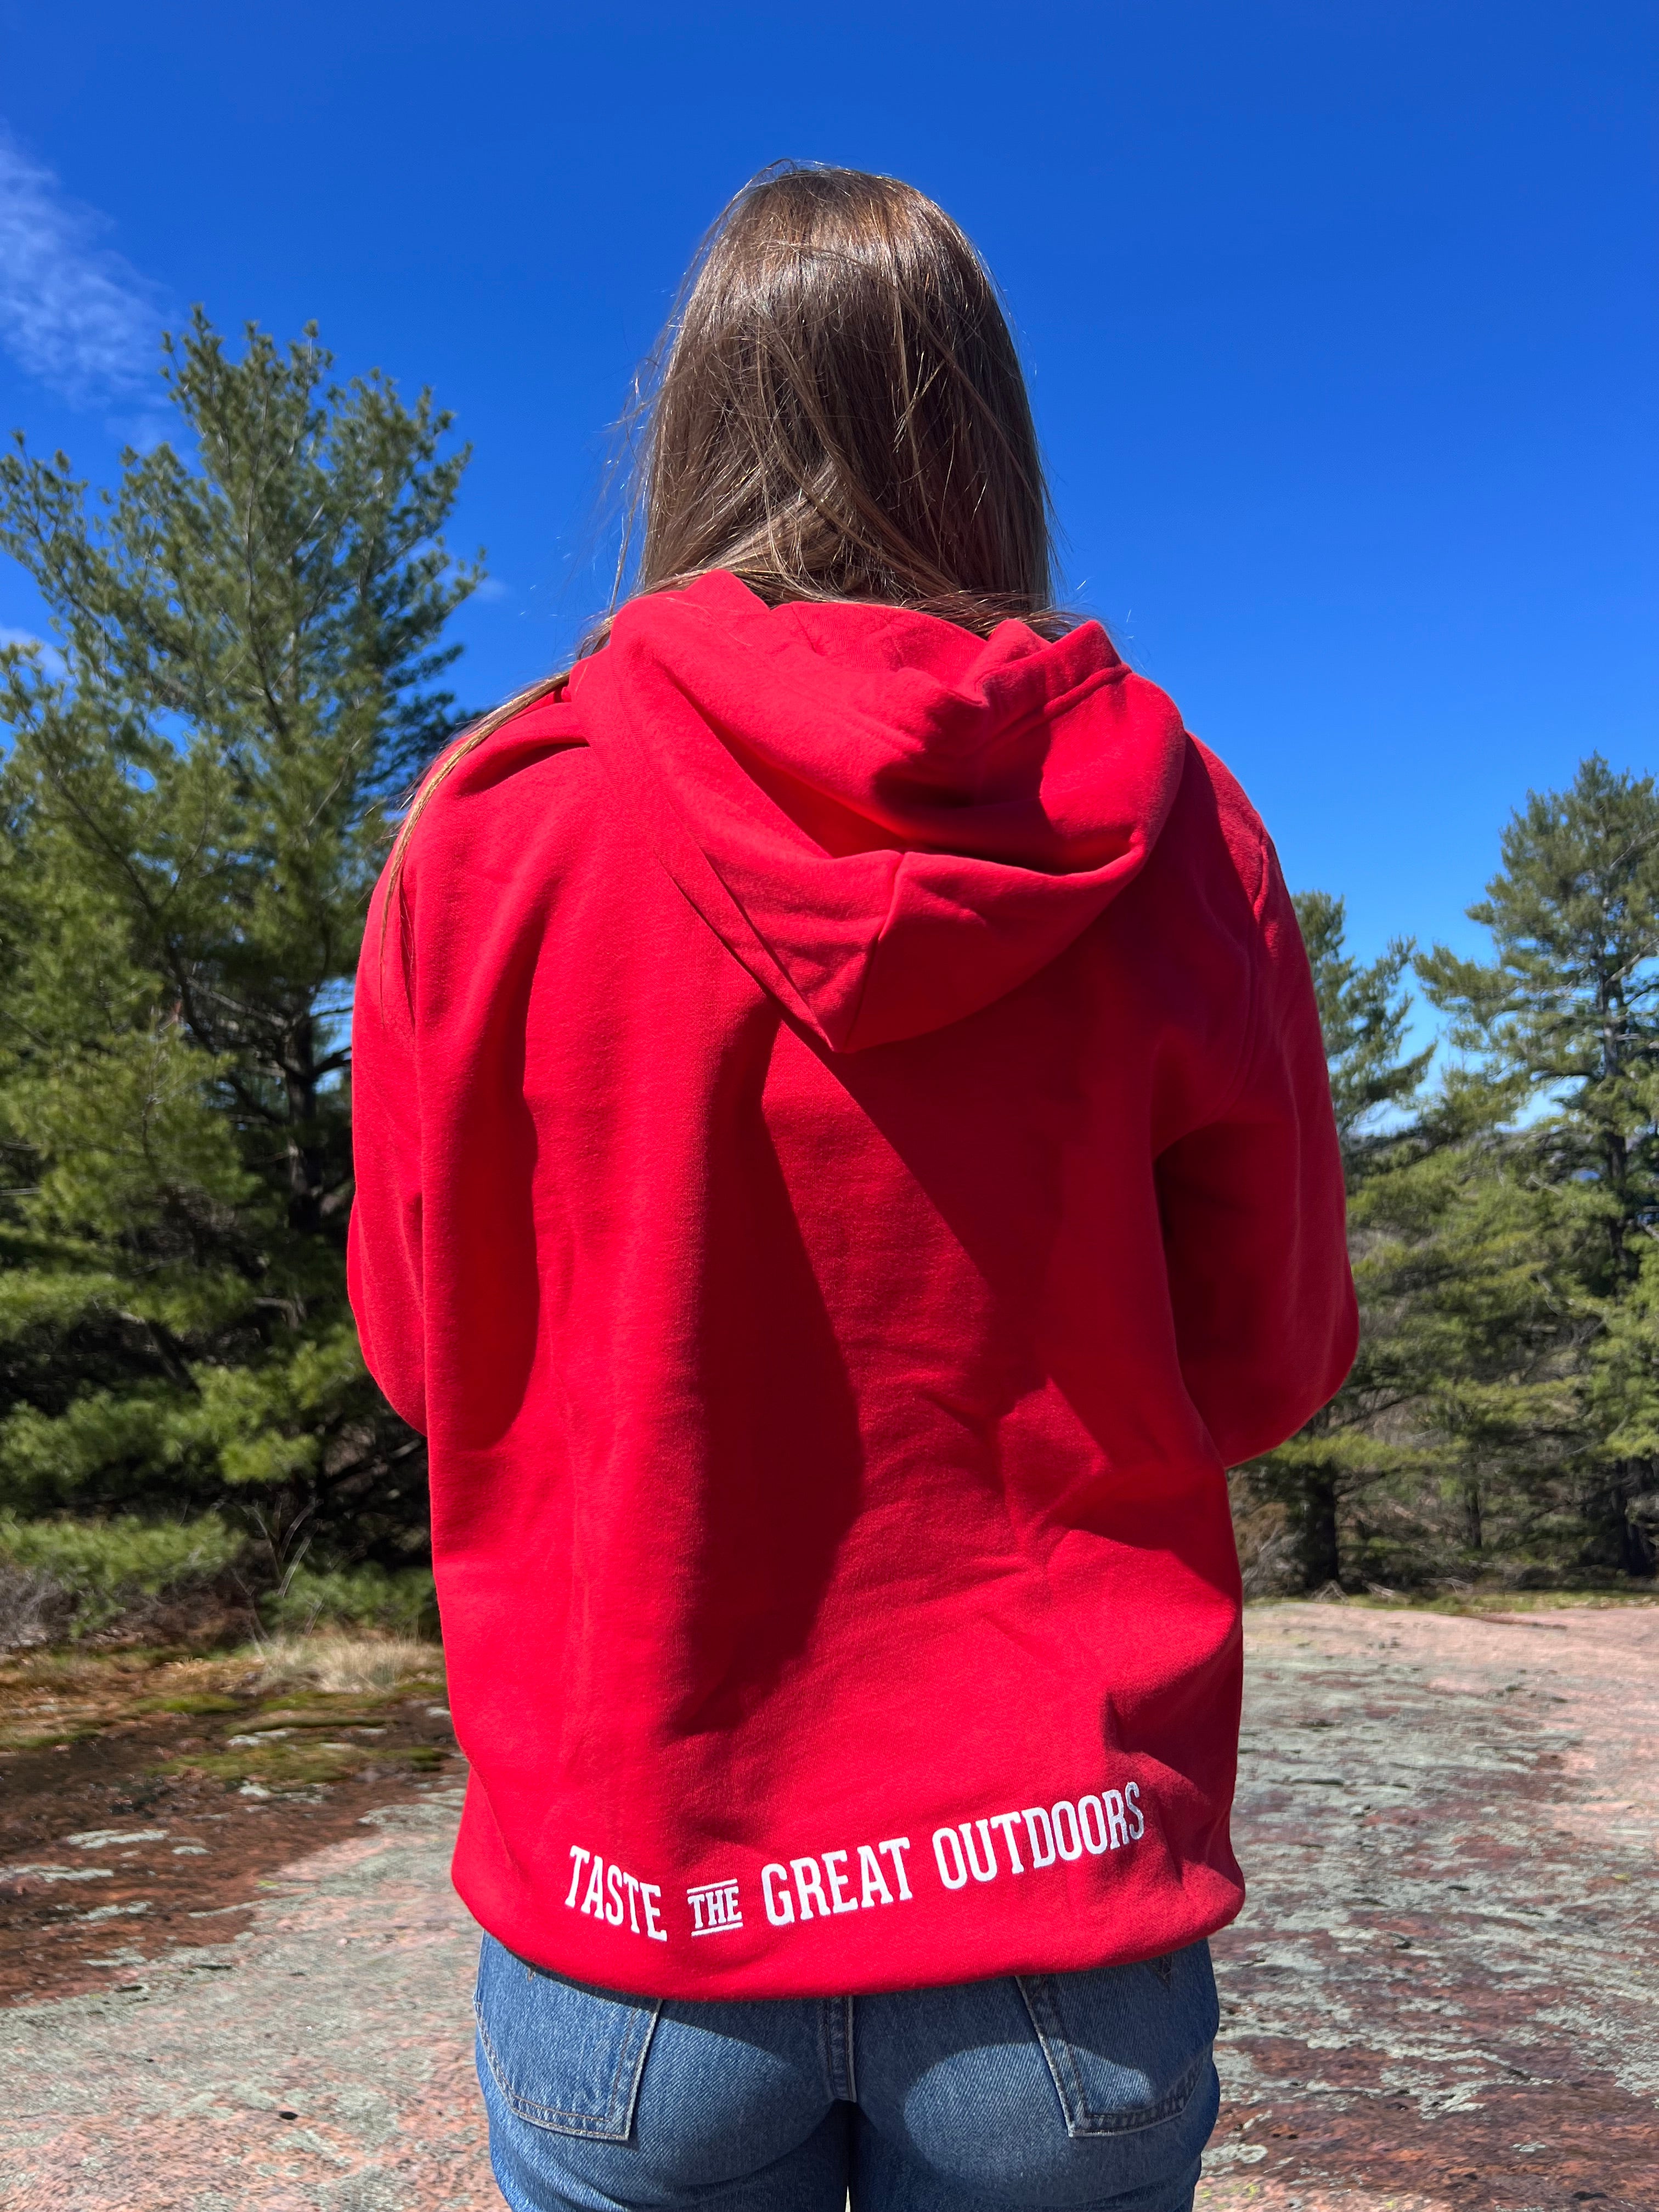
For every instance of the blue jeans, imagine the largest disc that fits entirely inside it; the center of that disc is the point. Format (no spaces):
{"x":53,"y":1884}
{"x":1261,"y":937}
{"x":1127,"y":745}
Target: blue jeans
{"x":1087,"y":2090}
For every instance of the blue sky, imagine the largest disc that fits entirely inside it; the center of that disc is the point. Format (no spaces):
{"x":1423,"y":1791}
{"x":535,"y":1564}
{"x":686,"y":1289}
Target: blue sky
{"x":1339,"y":321}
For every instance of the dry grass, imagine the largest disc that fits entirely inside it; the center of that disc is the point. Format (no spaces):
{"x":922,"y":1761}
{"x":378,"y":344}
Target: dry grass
{"x":1468,"y":1598}
{"x":344,"y":1665}
{"x":59,"y":1696}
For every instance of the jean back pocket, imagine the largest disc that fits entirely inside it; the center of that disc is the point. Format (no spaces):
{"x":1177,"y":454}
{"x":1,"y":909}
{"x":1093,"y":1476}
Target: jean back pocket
{"x":564,"y":2056}
{"x":1126,"y":2045}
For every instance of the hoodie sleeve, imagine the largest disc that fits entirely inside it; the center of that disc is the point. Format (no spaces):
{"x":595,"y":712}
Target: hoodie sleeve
{"x":1254,"y":1217}
{"x":384,"y":1242}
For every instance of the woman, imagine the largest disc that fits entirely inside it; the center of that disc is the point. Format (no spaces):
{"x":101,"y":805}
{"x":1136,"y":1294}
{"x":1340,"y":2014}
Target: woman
{"x":845,"y":1162}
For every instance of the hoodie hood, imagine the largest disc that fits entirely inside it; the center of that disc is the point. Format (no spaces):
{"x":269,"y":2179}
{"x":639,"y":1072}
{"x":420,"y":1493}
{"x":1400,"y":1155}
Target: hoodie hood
{"x":888,"y":821}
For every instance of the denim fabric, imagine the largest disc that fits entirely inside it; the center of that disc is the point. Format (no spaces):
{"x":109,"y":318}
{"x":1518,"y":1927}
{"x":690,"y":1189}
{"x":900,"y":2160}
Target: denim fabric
{"x":1073,"y":2091}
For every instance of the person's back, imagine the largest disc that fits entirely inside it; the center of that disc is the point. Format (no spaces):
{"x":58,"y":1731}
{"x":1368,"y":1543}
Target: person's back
{"x":845,"y":1162}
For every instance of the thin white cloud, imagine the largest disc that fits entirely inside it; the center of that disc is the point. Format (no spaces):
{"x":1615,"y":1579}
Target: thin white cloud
{"x":72,"y":313}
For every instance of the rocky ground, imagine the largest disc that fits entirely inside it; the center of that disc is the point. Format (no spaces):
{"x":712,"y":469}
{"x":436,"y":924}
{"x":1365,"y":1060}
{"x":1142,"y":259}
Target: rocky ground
{"x":1444,"y":1990}
{"x":143,"y":1800}
{"x":1443,"y":1997}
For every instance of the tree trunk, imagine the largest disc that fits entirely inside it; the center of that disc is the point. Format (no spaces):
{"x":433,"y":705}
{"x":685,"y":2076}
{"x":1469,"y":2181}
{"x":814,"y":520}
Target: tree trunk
{"x":1471,"y":1521}
{"x":1615,"y":1539}
{"x":1322,"y":1553}
{"x":1636,"y":1554}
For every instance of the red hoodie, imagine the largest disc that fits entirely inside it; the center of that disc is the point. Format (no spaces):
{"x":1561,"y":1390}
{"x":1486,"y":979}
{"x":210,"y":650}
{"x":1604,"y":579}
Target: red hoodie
{"x":844,"y":1163}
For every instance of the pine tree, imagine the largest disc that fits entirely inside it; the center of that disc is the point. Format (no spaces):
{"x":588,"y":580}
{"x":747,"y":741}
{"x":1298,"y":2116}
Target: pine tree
{"x":1467,"y":1267}
{"x":194,"y":811}
{"x":1444,"y":1448}
{"x":1624,"y":1392}
{"x":1365,"y":1014}
{"x":1503,"y":1409}
{"x":1562,"y":1028}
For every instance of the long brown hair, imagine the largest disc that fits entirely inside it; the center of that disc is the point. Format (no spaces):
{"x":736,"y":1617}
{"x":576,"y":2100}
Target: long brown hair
{"x":836,"y":411}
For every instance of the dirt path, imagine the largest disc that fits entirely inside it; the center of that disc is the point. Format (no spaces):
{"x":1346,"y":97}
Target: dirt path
{"x":1443,"y":1997}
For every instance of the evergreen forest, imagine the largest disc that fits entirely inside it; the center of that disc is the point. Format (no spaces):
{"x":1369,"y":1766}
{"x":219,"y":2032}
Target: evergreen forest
{"x":199,"y":781}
